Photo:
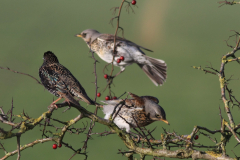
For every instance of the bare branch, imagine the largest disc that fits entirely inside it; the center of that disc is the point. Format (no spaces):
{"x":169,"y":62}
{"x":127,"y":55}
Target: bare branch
{"x":22,"y":73}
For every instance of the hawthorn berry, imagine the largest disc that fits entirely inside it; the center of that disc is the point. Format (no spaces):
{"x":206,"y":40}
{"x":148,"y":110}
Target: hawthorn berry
{"x":134,"y":2}
{"x":196,"y":137}
{"x":122,"y":58}
{"x":114,"y":97}
{"x":98,"y":94}
{"x":105,"y":76}
{"x":118,"y":60}
{"x":60,"y":145}
{"x":54,"y":146}
{"x":107,"y":98}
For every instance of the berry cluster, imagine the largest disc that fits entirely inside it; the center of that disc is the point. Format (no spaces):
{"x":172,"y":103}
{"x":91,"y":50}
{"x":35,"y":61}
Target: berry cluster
{"x":107,"y":97}
{"x":120,"y":59}
{"x":55,"y":146}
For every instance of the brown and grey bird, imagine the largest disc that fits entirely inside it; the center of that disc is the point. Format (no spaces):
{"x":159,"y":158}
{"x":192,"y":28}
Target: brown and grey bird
{"x":102,"y":44}
{"x":59,"y":81}
{"x":138,"y":111}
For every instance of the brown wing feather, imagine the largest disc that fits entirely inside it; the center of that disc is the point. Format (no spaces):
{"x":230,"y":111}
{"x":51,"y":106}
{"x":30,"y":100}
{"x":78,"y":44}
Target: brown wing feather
{"x":137,"y":101}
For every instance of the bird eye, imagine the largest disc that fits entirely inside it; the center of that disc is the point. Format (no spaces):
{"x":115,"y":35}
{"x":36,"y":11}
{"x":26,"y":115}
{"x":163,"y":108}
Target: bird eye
{"x":84,"y":35}
{"x":157,"y":115}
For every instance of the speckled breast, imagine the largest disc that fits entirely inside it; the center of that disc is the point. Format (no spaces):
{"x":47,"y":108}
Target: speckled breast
{"x":136,"y":115}
{"x":100,"y":47}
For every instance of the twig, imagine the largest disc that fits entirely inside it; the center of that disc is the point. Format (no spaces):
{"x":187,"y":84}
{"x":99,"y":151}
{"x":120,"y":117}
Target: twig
{"x":18,"y":147}
{"x":22,"y":73}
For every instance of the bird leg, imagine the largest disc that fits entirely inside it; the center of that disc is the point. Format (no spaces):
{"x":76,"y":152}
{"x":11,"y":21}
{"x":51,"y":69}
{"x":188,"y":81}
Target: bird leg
{"x":54,"y":102}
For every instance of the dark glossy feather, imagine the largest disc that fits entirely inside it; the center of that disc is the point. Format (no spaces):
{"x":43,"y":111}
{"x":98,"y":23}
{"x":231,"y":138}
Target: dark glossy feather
{"x":59,"y":81}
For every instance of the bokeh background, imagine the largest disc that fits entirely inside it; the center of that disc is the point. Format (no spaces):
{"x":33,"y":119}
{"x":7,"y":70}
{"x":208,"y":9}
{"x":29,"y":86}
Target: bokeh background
{"x":183,"y":33}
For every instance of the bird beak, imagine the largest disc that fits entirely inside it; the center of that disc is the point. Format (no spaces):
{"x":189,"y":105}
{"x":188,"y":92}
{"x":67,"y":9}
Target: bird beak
{"x":165,"y":121}
{"x":78,"y":35}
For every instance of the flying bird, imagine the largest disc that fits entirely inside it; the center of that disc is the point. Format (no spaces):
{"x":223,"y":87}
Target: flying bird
{"x":59,"y":81}
{"x":102,"y":44}
{"x":135,"y":112}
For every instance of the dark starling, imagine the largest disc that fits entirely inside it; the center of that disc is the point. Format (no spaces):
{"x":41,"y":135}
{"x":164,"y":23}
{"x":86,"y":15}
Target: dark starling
{"x":59,"y":81}
{"x":139,"y":111}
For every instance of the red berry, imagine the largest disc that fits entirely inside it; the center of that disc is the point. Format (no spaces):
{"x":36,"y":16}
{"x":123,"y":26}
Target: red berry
{"x":133,"y":2}
{"x":196,"y":137}
{"x":98,"y":94}
{"x":118,"y":60}
{"x":54,"y":146}
{"x":60,"y":145}
{"x":122,"y":58}
{"x":105,"y":76}
{"x":107,"y":98}
{"x":114,"y":97}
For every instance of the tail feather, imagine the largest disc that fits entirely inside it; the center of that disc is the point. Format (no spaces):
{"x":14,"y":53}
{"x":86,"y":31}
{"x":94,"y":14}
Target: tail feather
{"x":156,"y":70}
{"x":159,"y":64}
{"x":88,"y":100}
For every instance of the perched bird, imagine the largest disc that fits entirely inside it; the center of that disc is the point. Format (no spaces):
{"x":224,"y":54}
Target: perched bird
{"x":59,"y":81}
{"x":102,"y":44}
{"x":136,"y":112}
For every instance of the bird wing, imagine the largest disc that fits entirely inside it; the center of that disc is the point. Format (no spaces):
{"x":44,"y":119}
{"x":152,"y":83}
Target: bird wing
{"x":137,"y":101}
{"x":128,"y":103}
{"x":151,"y":98}
{"x":72,"y":84}
{"x":53,"y":83}
{"x":110,"y":37}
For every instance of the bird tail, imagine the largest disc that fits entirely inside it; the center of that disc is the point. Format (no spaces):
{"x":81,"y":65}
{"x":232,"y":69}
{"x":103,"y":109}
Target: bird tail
{"x":156,"y":70}
{"x":88,"y":100}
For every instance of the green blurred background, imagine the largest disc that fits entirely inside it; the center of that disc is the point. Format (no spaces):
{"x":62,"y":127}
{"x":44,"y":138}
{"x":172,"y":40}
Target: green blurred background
{"x":183,"y":33}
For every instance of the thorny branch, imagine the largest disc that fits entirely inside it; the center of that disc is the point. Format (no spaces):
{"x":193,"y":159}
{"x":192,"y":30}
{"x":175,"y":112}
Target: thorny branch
{"x":226,"y":134}
{"x":227,"y":3}
{"x":126,"y":138}
{"x":110,"y":77}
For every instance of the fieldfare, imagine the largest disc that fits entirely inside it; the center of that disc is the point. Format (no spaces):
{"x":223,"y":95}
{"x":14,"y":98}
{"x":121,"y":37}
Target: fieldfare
{"x":102,"y":44}
{"x":135,"y":112}
{"x":59,"y":81}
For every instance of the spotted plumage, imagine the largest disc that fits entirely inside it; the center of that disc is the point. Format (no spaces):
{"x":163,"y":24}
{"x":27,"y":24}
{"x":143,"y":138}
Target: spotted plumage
{"x":138,"y":111}
{"x":59,"y":81}
{"x":102,"y":44}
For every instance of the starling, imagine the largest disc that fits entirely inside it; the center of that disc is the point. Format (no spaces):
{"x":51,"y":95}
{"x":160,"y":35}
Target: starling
{"x":59,"y":81}
{"x":135,"y":112}
{"x":102,"y":44}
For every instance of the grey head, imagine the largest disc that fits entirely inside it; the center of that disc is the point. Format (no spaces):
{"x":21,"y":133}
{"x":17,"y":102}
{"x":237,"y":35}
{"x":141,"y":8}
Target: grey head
{"x":89,"y":35}
{"x":154,"y":111}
